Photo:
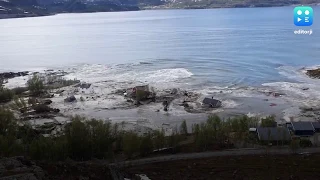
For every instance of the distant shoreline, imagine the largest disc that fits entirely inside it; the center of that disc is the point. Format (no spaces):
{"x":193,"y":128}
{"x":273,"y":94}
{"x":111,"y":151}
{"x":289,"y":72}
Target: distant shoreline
{"x":15,"y":16}
{"x":161,"y":7}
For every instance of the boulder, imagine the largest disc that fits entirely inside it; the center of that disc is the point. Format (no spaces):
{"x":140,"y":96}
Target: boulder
{"x":70,"y":99}
{"x":56,"y":110}
{"x":59,"y":91}
{"x":47,"y":102}
{"x":47,"y":128}
{"x":174,"y":91}
{"x":83,"y":85}
{"x":41,"y":108}
{"x":47,"y":96}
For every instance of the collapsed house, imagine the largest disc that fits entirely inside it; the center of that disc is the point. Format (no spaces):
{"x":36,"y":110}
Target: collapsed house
{"x":212,"y":103}
{"x":141,"y":93}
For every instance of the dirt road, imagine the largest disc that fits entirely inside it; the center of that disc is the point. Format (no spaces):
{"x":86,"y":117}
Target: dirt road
{"x":232,"y":152}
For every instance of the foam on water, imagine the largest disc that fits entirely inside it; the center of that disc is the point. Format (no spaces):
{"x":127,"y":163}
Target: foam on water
{"x":127,"y":75}
{"x":304,"y":90}
{"x":17,"y":82}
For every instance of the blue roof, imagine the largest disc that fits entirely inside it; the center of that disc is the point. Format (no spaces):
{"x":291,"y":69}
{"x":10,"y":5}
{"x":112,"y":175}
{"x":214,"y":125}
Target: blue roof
{"x":316,"y":125}
{"x":302,"y":126}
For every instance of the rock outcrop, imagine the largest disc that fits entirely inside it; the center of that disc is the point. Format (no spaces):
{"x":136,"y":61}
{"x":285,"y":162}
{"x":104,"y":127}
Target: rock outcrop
{"x":10,"y":75}
{"x":314,"y":73}
{"x":70,"y":99}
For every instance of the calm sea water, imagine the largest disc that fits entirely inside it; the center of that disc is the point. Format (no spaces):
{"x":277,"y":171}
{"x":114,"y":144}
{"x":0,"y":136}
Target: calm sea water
{"x":216,"y":46}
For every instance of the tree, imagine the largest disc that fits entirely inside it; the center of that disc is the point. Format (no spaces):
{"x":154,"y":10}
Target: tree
{"x":173,"y":141}
{"x":146,"y":145}
{"x":159,"y":139}
{"x":184,"y":128}
{"x":130,"y":143}
{"x":78,"y":139}
{"x":100,"y":137}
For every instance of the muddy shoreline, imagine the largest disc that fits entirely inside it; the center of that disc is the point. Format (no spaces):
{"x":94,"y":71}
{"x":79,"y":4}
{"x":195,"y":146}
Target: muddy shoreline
{"x":166,"y":110}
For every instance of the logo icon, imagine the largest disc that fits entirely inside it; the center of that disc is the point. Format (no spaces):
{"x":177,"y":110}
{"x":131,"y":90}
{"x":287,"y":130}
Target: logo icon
{"x":303,"y":16}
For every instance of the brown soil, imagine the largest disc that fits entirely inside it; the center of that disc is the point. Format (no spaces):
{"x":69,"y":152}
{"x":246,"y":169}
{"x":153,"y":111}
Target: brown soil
{"x":241,"y":167}
{"x":76,"y":170}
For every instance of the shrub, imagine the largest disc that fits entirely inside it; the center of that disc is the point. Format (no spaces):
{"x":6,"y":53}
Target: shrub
{"x":8,"y":124}
{"x":91,"y":139}
{"x":305,"y":143}
{"x":294,"y":145}
{"x":78,"y":140}
{"x":40,"y":148}
{"x":36,"y":85}
{"x":268,"y":122}
{"x":32,"y":101}
{"x":9,"y":145}
{"x":19,"y":90}
{"x":6,"y":95}
{"x":101,"y":138}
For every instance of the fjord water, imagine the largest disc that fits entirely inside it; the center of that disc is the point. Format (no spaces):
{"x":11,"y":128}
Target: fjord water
{"x":222,"y":47}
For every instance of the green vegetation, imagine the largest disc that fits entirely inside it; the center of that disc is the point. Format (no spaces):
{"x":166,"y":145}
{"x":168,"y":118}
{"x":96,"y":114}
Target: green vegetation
{"x":305,"y":143}
{"x":184,"y":128}
{"x":217,"y":133}
{"x":294,"y":145}
{"x":56,"y":82}
{"x":19,"y":90}
{"x":80,"y":140}
{"x":189,"y":4}
{"x":268,"y":122}
{"x":84,"y":139}
{"x":36,"y":85}
{"x":6,"y":95}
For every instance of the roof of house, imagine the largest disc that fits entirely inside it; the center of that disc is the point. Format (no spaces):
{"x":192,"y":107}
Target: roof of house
{"x":316,"y":125}
{"x":273,"y":134}
{"x":302,"y":126}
